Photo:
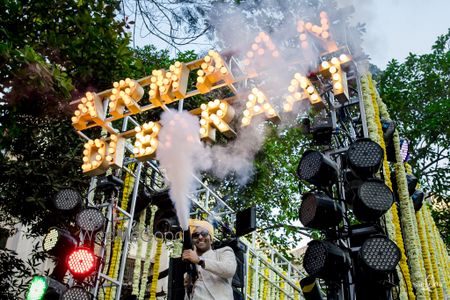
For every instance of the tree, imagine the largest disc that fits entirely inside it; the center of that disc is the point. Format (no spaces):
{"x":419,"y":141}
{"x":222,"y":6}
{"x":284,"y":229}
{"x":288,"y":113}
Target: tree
{"x":417,"y":93}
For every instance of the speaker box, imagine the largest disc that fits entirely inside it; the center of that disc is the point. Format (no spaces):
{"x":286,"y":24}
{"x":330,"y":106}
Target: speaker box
{"x":246,"y":221}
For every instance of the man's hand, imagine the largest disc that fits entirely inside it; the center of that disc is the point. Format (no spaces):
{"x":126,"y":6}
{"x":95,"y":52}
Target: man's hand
{"x":190,"y":255}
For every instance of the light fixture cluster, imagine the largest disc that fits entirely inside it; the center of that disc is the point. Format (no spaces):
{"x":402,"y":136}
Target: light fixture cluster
{"x":100,"y":154}
{"x":167,"y":86}
{"x":262,"y":45}
{"x":256,"y":104}
{"x":146,"y":141}
{"x":321,"y":31}
{"x":217,"y":113}
{"x":333,"y":68}
{"x":90,"y":109}
{"x":212,"y":70}
{"x":125,"y":94}
{"x":299,"y":89}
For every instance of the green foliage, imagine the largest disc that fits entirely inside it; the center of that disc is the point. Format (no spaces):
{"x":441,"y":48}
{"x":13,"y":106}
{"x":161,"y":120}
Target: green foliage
{"x":417,"y":95}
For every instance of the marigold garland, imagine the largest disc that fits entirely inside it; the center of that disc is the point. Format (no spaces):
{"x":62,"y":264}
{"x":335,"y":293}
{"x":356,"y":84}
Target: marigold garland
{"x":155,"y":276}
{"x":424,"y":239}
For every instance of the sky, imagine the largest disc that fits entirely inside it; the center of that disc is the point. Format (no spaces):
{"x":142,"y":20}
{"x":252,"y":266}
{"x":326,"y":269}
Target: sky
{"x":397,"y":27}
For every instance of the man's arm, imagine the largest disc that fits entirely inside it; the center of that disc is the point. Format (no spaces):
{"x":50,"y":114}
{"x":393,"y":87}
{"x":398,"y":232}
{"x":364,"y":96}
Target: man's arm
{"x":224,"y":266}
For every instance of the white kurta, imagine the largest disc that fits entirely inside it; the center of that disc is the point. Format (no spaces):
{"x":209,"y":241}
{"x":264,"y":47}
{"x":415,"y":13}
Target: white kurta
{"x":214,"y":281}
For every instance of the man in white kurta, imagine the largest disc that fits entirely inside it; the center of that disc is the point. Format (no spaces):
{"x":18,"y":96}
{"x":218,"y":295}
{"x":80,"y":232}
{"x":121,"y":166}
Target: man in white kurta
{"x":216,"y":268}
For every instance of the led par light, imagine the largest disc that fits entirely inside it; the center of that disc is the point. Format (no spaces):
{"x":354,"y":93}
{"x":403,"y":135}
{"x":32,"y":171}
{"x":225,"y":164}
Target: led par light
{"x":388,"y":128}
{"x":44,"y":288}
{"x":58,"y":241}
{"x":365,"y":157}
{"x":378,"y":254}
{"x":81,"y":262}
{"x":319,"y":211}
{"x":371,"y":200}
{"x":90,"y":219}
{"x":317,"y":169}
{"x":417,"y":199}
{"x":68,"y":201}
{"x":404,"y":149}
{"x":325,"y":260}
{"x":166,"y":221}
{"x":76,"y":293}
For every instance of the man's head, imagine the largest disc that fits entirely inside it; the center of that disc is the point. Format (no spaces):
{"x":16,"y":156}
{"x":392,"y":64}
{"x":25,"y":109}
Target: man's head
{"x":202,"y":235}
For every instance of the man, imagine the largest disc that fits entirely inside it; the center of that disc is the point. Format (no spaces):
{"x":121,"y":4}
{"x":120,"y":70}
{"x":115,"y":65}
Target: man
{"x":216,"y":268}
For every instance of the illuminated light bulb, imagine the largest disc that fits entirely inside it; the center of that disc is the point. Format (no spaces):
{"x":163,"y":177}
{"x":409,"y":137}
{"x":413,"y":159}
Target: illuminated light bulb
{"x":146,"y":126}
{"x":308,"y":25}
{"x":204,"y":114}
{"x":315,"y":29}
{"x":335,"y":61}
{"x":175,"y":85}
{"x":211,"y":69}
{"x":153,"y":142}
{"x":323,"y":21}
{"x":101,"y":151}
{"x":122,"y":82}
{"x":139,"y":135}
{"x":287,"y":107}
{"x":85,"y":159}
{"x":246,"y":113}
{"x":325,"y":35}
{"x":211,"y":104}
{"x":201,"y":73}
{"x":343,"y":58}
{"x":84,"y":167}
{"x":177,"y":64}
{"x":135,"y":150}
{"x":74,"y":119}
{"x":323,"y":14}
{"x":216,"y":102}
{"x":207,"y":58}
{"x":141,"y":151}
{"x":80,"y":106}
{"x":258,"y":39}
{"x":172,"y":68}
{"x":153,"y":92}
{"x":304,"y":45}
{"x":174,"y":78}
{"x":271,"y":112}
{"x":222,"y":106}
{"x":166,"y":81}
{"x":290,"y":99}
{"x":109,"y":158}
{"x":314,"y":97}
{"x":302,"y":37}
{"x":245,"y":121}
{"x":91,"y":142}
{"x":98,"y":157}
{"x":203,"y":122}
{"x":200,"y":79}
{"x":97,"y":143}
{"x":155,"y":129}
{"x":250,"y":54}
{"x":128,"y":91}
{"x":336,"y":76}
{"x":93,"y":114}
{"x":260,"y":51}
{"x":148,"y":149}
{"x":298,"y":96}
{"x":88,"y":166}
{"x":257,"y":108}
{"x":276,"y":54}
{"x":249,"y":104}
{"x":255,"y":47}
{"x":223,"y":70}
{"x":203,"y":106}
{"x":265,"y":37}
{"x":169,"y":75}
{"x":266,"y":106}
{"x":219,"y":113}
{"x":337,"y":85}
{"x":222,"y":127}
{"x":85,"y":152}
{"x":153,"y":79}
{"x":333,"y":69}
{"x":325,"y":64}
{"x":204,"y":66}
{"x":116,"y":84}
{"x":310,"y":89}
{"x":112,"y":144}
{"x":291,"y":88}
{"x":260,"y":99}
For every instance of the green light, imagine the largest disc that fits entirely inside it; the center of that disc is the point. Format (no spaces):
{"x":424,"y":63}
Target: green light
{"x":37,"y":289}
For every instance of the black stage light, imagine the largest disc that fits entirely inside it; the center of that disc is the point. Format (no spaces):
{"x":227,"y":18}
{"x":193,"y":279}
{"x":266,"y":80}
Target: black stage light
{"x":310,"y":288}
{"x":371,"y":200}
{"x":317,"y":169}
{"x":378,"y":254}
{"x":417,"y":199}
{"x":322,"y":130}
{"x":325,"y":260}
{"x":76,"y":293}
{"x":388,"y":127}
{"x":68,"y":201}
{"x":365,"y":157}
{"x":411,"y":181}
{"x":45,"y":288}
{"x":319,"y":211}
{"x":90,"y":219}
{"x":58,"y":241}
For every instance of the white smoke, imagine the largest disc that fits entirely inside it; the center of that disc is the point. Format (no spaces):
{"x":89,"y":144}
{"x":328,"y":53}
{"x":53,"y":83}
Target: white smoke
{"x":180,"y":154}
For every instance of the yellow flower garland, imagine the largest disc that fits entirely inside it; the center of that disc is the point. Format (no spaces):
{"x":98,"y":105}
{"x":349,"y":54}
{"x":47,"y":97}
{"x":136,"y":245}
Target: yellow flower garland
{"x":424,"y":239}
{"x":250,"y":275}
{"x":266,"y":282}
{"x":392,"y":219}
{"x":144,"y":281}
{"x":155,"y":276}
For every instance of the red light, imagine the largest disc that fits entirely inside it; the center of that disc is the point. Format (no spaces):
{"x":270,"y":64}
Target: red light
{"x":81,"y":262}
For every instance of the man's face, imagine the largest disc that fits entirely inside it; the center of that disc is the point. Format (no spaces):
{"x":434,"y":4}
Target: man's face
{"x":201,"y":239}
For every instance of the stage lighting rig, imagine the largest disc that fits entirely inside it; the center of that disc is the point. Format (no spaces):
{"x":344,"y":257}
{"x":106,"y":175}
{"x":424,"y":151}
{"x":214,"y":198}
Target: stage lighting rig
{"x":45,"y":288}
{"x":68,"y":201}
{"x":76,"y":293}
{"x":318,"y":211}
{"x":365,"y":158}
{"x":325,"y":260}
{"x":317,"y":169}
